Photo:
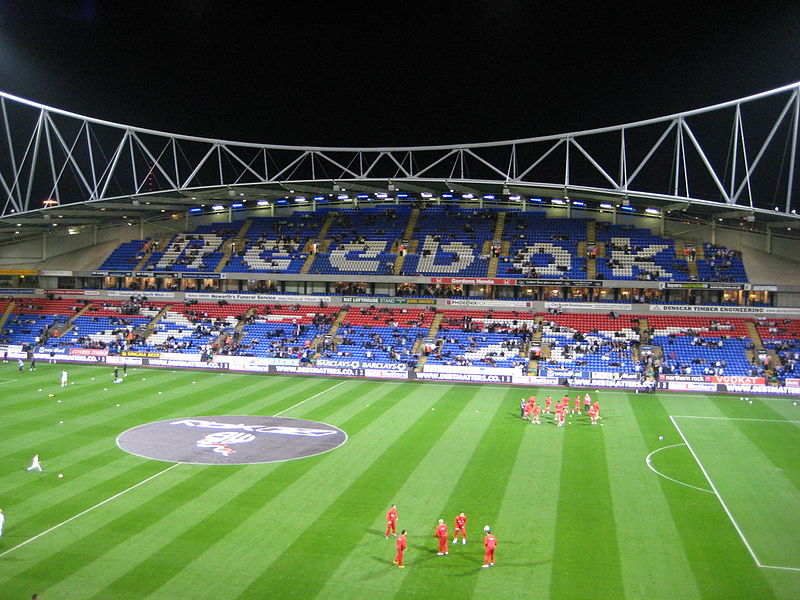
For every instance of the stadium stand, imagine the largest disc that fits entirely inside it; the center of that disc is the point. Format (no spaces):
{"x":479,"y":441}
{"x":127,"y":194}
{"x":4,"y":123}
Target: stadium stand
{"x":434,"y":240}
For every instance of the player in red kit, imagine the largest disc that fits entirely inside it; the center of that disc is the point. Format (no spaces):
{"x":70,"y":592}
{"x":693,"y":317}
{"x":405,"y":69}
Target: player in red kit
{"x":441,"y":533}
{"x":391,"y":521}
{"x":461,"y":527}
{"x":401,"y":547}
{"x":547,"y":402}
{"x":577,"y":408}
{"x":593,"y":415}
{"x":535,"y":416}
{"x":490,"y":543}
{"x":559,"y":415}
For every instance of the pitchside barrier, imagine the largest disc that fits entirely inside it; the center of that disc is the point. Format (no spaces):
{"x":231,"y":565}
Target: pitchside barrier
{"x":730,"y":384}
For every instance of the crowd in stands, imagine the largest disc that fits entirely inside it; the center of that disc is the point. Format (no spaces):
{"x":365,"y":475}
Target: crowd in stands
{"x":687,"y":345}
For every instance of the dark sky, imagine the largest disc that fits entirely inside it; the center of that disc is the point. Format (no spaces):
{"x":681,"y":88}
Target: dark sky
{"x":389,"y":73}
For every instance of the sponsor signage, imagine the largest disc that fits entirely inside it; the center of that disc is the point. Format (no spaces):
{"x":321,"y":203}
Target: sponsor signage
{"x":141,"y":354}
{"x":17,"y":272}
{"x":112,"y":273}
{"x":385,"y":300}
{"x":383,"y":374}
{"x":682,"y":377}
{"x":792,"y":382}
{"x":88,"y":352}
{"x":69,"y":358}
{"x":534,"y":380}
{"x":742,"y":310}
{"x":763,"y":288}
{"x":17,"y":291}
{"x":271,"y":298}
{"x":581,"y":306}
{"x":691,"y":386}
{"x":474,"y":280}
{"x":736,"y":379}
{"x":311,"y":370}
{"x":500,"y":303}
{"x":697,"y":285}
{"x":565,"y":373}
{"x":475,"y":370}
{"x":615,"y":376}
{"x":146,"y":293}
{"x":123,"y":360}
{"x":160,"y":362}
{"x":560,"y":282}
{"x":65,"y":292}
{"x":591,"y":382}
{"x":356,"y":364}
{"x":157,"y":274}
{"x":55,"y":273}
{"x":759,"y":389}
{"x":474,"y":377}
{"x":185,"y":275}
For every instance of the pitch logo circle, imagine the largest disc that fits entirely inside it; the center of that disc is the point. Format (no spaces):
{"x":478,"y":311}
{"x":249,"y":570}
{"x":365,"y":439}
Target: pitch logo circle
{"x":230,"y":439}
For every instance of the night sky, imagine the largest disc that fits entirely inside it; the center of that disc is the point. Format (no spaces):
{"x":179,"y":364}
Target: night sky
{"x":389,"y":73}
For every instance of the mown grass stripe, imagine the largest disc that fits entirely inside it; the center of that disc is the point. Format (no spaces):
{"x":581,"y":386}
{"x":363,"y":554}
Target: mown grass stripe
{"x":649,"y":541}
{"x":421,"y":500}
{"x":478,"y":491}
{"x":586,"y":520}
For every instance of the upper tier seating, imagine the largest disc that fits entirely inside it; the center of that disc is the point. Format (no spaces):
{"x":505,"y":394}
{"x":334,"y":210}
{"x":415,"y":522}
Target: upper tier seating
{"x":446,"y":241}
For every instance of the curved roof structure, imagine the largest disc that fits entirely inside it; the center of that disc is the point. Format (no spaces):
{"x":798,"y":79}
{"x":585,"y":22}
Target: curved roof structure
{"x":736,"y":161}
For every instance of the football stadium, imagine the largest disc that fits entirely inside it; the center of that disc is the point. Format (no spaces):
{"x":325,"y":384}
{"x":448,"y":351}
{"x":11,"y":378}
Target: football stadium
{"x":224,"y":362}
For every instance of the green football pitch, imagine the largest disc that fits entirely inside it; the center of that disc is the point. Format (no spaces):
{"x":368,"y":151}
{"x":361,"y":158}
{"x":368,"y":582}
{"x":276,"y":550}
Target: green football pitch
{"x":712,"y":510}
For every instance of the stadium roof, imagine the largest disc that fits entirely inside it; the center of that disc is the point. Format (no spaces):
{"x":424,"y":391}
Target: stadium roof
{"x":172,"y":205}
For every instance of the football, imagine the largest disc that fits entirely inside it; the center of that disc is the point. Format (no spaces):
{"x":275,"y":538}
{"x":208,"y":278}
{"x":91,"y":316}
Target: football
{"x":61,"y":476}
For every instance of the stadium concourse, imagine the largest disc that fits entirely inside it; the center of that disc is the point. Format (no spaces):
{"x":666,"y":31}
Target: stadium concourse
{"x":555,"y":314}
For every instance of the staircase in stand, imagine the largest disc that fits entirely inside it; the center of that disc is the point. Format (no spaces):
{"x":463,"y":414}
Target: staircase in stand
{"x":406,"y":241}
{"x":536,"y":341}
{"x":162,"y":241}
{"x":231,"y":245}
{"x":317,"y":341}
{"x":419,"y":345}
{"x":147,"y":330}
{"x":497,"y":240}
{"x":322,"y":243}
{"x":6,"y":313}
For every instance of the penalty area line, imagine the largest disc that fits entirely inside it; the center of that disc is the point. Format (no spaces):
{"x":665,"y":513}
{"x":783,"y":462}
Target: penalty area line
{"x":277,"y":414}
{"x":91,"y":508}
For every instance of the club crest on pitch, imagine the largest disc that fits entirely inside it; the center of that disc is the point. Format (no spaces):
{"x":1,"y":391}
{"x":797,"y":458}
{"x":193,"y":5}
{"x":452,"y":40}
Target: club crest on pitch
{"x":237,"y":439}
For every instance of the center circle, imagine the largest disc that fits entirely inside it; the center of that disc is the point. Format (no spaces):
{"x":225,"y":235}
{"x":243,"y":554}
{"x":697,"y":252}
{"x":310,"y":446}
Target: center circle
{"x":230,"y":439}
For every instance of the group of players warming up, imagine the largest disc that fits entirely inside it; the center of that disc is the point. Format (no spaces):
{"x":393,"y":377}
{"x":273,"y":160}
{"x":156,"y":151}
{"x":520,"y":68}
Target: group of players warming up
{"x":530,"y":410}
{"x":441,"y":534}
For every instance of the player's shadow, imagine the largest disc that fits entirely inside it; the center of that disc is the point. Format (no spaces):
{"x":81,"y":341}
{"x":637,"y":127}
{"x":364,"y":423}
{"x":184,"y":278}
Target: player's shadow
{"x":477,"y":565}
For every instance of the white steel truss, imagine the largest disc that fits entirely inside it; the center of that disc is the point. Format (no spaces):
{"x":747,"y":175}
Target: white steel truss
{"x":741,"y":154}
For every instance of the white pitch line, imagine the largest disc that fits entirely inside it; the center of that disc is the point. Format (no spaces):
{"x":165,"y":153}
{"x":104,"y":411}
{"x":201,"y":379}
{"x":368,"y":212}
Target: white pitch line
{"x":735,"y":419}
{"x":91,"y":508}
{"x":776,"y":398}
{"x":307,"y":399}
{"x":657,"y":472}
{"x":781,"y":568}
{"x":716,"y":492}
